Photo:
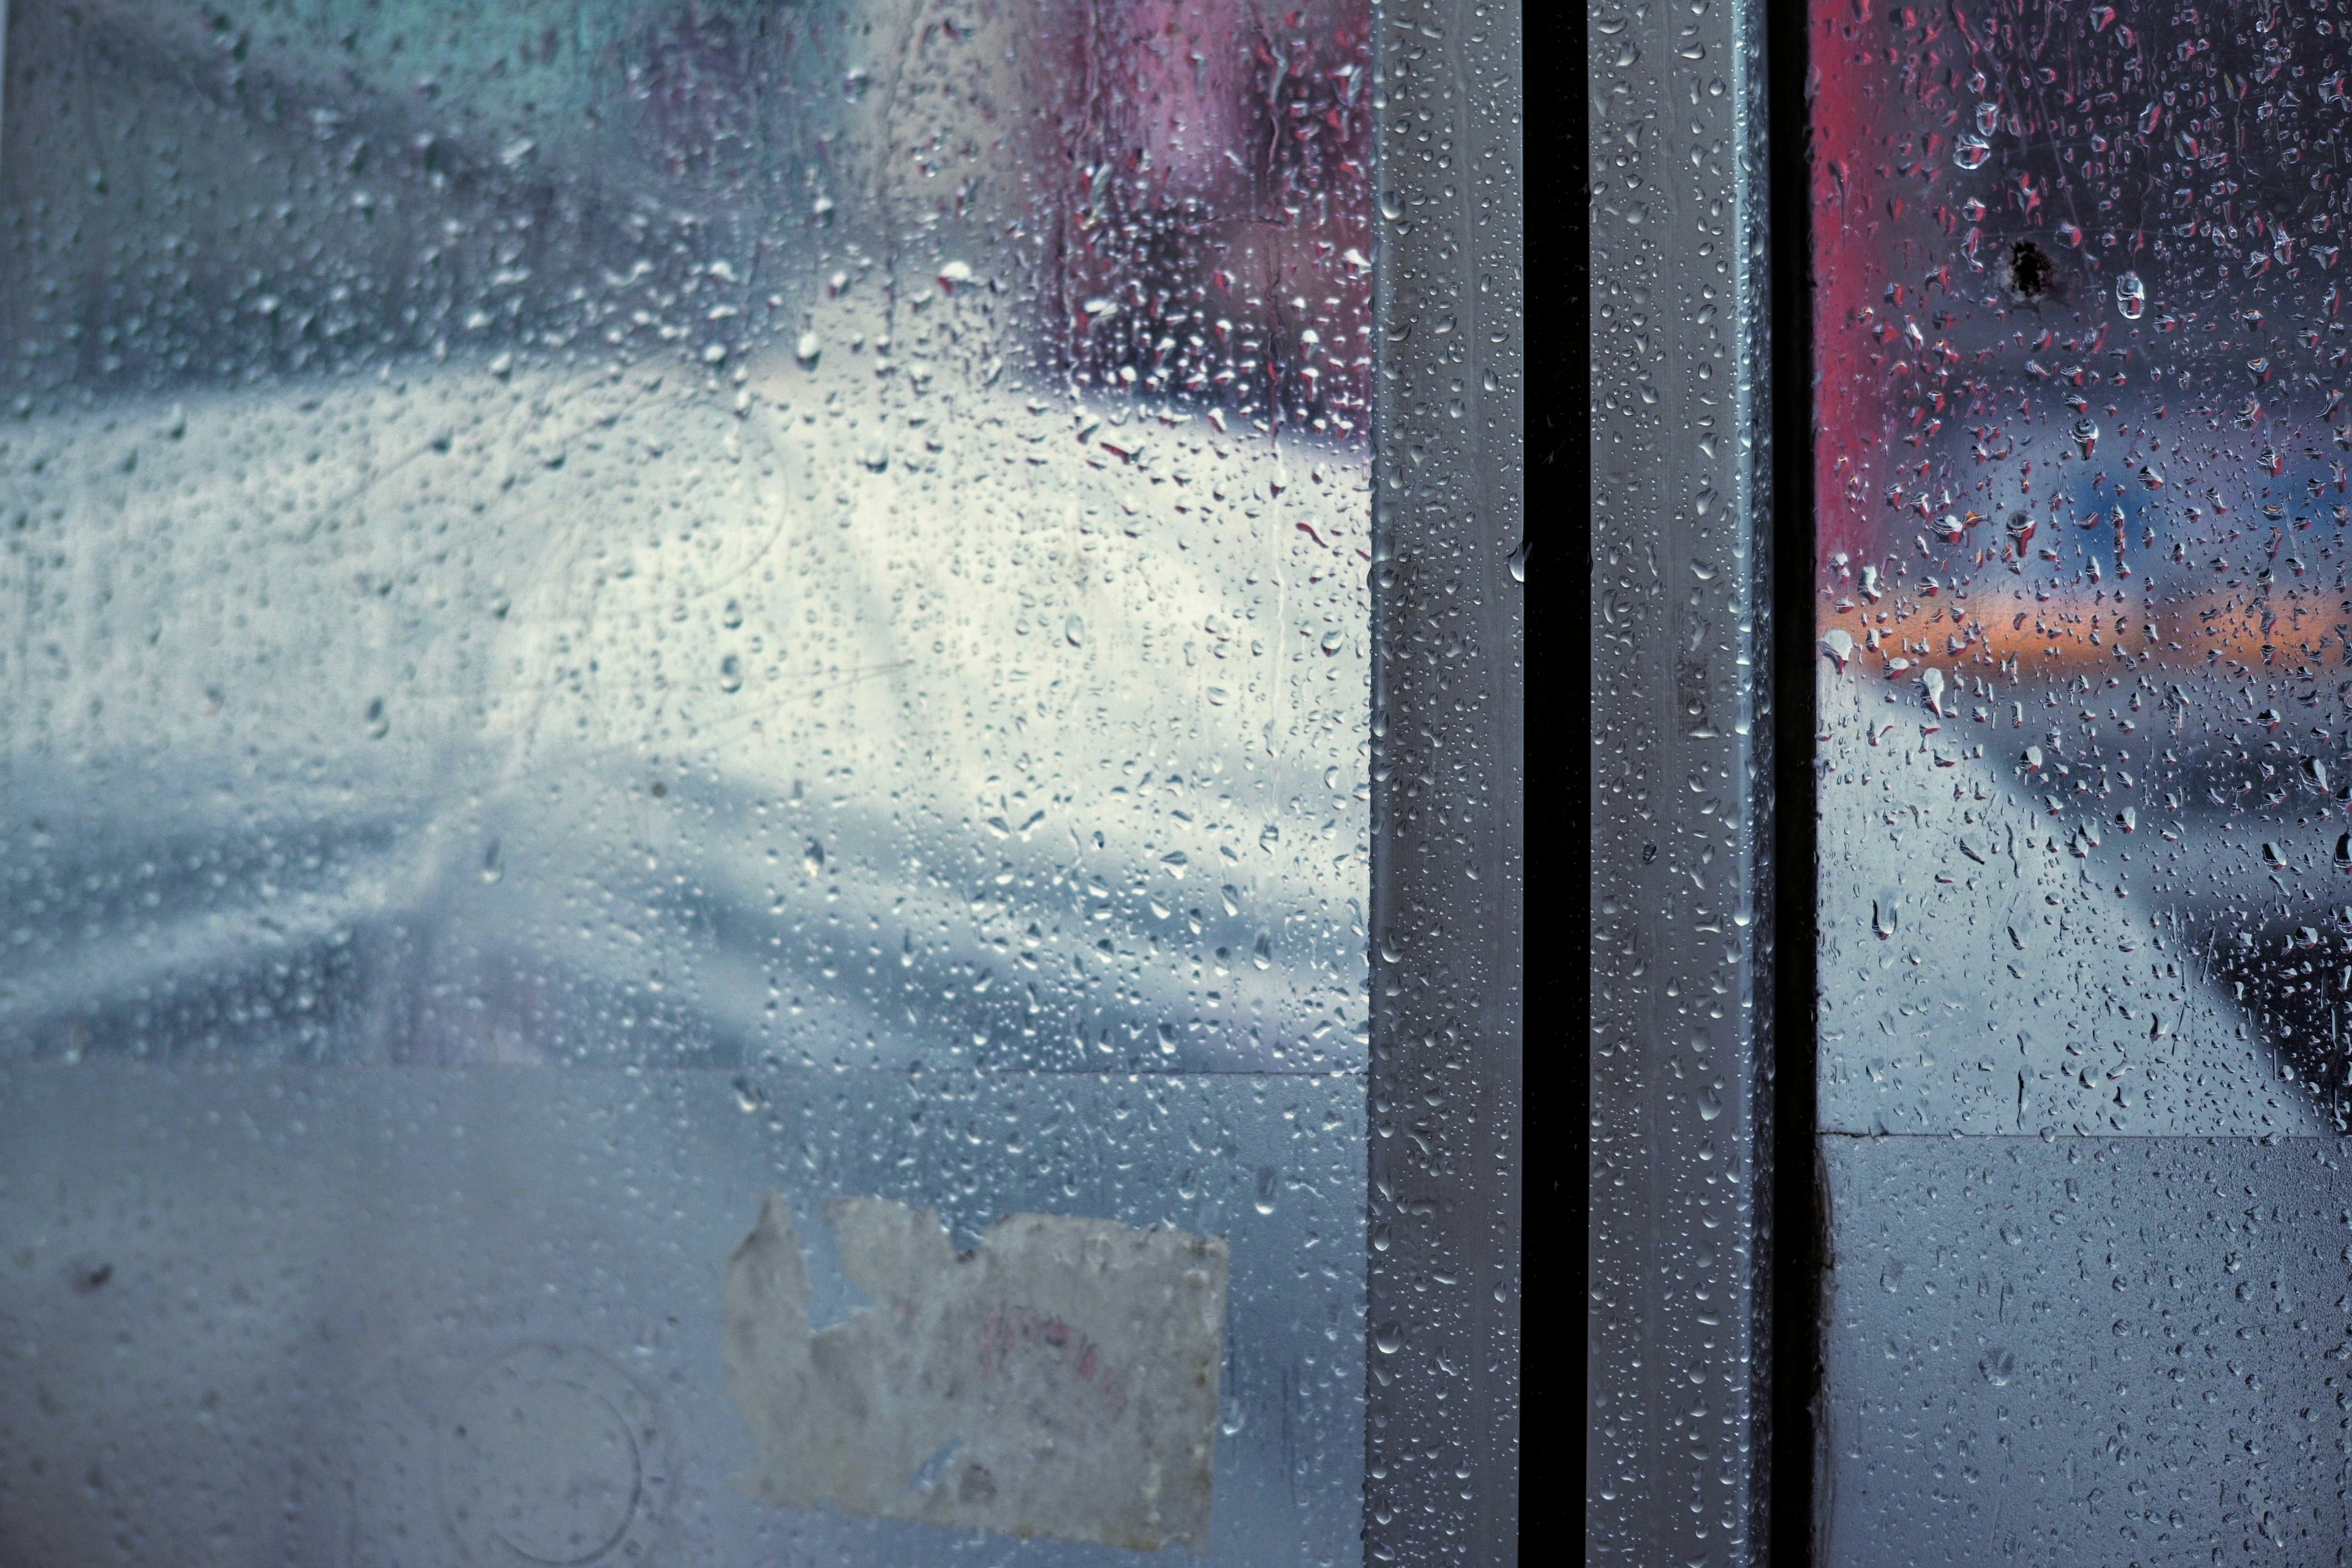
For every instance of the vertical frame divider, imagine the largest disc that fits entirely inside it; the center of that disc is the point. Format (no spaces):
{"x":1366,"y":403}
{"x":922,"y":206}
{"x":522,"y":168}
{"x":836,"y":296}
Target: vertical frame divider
{"x":1448,"y":770}
{"x":1679,"y":1371}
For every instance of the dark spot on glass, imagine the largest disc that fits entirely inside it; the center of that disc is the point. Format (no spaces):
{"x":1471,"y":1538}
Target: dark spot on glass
{"x":660,"y":790}
{"x":2031,"y":273}
{"x":89,"y":1277}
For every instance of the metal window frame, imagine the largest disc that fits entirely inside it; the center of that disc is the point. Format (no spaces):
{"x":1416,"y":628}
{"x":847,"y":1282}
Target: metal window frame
{"x":1441,"y":1420}
{"x":1702,"y":1242}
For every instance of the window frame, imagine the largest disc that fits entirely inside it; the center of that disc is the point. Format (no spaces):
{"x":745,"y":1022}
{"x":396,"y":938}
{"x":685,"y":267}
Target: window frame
{"x":1442,"y":1416}
{"x":1702,"y":1246}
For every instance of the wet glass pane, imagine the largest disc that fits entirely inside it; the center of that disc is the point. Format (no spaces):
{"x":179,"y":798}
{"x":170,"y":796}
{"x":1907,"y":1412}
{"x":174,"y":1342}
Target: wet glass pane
{"x":611,"y":611}
{"x":2084,"y":684}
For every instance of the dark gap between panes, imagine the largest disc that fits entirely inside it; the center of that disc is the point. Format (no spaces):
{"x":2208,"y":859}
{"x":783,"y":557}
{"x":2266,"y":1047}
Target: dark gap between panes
{"x":1792,"y":1296}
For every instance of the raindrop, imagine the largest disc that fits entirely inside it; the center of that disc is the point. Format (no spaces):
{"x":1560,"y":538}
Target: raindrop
{"x":1971,"y":152}
{"x":1074,"y":629}
{"x":807,"y":350}
{"x":730,"y":674}
{"x":812,"y":859}
{"x":1838,"y":643}
{"x":493,"y":868}
{"x":2131,"y":296}
{"x":1264,"y":1201}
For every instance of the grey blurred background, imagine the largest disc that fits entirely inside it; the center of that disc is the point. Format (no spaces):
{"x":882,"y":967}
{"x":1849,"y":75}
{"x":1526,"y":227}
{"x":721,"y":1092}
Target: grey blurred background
{"x":610,"y":611}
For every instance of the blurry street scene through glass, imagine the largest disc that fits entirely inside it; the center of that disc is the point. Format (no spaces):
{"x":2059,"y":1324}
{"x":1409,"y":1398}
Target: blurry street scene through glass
{"x":682,"y":683}
{"x":2085,"y":767}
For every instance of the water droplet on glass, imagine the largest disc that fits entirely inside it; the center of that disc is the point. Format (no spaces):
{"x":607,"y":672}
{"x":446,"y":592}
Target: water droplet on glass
{"x":492,"y":866}
{"x":730,"y":674}
{"x":1388,"y":1339}
{"x":1971,"y":152}
{"x":1264,"y":1200}
{"x":2131,"y":296}
{"x":807,"y":350}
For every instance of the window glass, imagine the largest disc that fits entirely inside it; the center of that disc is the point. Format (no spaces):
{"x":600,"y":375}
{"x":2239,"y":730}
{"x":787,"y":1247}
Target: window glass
{"x":614,"y":610}
{"x":2085,"y":656}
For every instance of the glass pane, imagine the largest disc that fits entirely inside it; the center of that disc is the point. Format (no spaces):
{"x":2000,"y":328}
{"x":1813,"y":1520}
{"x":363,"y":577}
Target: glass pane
{"x":611,"y":611}
{"x":2086,"y":660}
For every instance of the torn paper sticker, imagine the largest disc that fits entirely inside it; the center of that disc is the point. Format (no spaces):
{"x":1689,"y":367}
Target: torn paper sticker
{"x":1060,"y":1379}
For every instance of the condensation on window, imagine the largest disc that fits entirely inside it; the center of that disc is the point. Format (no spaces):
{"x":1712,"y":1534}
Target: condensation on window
{"x":802,"y":571}
{"x":2085,"y":753}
